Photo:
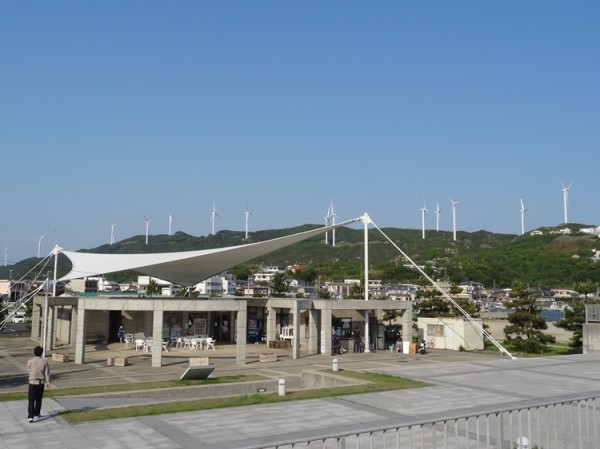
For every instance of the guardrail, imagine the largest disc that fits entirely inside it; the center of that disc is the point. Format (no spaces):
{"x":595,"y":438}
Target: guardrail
{"x":556,"y":423}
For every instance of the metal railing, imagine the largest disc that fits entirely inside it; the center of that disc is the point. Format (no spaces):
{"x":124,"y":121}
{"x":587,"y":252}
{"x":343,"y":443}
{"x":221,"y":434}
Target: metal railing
{"x":557,"y":423}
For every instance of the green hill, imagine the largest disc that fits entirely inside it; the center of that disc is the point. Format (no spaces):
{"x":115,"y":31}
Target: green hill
{"x":547,"y":261}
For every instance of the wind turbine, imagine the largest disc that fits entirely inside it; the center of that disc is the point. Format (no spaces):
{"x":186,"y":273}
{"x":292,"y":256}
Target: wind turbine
{"x":522,"y":210}
{"x":247,"y":214}
{"x":423,"y":211}
{"x":565,"y":191}
{"x":327,"y":218}
{"x":170,"y":221}
{"x":454,"y":203}
{"x":437,"y":216}
{"x":5,"y":254}
{"x":40,"y":244}
{"x":332,"y":215}
{"x":213,"y":215}
{"x":147,"y":227}
{"x":113,"y":234}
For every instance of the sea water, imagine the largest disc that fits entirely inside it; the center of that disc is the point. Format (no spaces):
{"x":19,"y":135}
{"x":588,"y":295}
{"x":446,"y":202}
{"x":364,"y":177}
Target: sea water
{"x":549,"y":315}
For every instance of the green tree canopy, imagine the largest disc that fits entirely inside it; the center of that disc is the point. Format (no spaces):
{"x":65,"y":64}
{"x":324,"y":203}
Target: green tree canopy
{"x":152,"y":288}
{"x":526,"y":325}
{"x":278,"y":285}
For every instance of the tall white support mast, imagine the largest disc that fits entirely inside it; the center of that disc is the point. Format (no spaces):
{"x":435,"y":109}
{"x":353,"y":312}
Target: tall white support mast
{"x":366,"y":221}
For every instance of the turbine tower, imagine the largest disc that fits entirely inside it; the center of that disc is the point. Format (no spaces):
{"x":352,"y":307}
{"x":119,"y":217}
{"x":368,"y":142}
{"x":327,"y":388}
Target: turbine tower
{"x":40,"y":244}
{"x":423,"y":211}
{"x":565,"y":191}
{"x":247,"y":214}
{"x":327,"y":218}
{"x":213,"y":215}
{"x":437,"y":216}
{"x":454,"y":203}
{"x":5,"y":254}
{"x":522,"y":210}
{"x":113,"y":234}
{"x":147,"y":228}
{"x":332,"y":215}
{"x":170,"y":221}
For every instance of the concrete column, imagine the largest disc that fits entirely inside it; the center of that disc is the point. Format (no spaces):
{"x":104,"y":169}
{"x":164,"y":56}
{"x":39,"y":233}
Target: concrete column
{"x":241,"y":326}
{"x":326,"y":331}
{"x":36,"y":319}
{"x":80,"y":333}
{"x":157,"y":327}
{"x":271,"y":324}
{"x":231,"y":330}
{"x":51,"y":328}
{"x":73,"y":325}
{"x":313,"y":332}
{"x":407,"y":325}
{"x":296,"y":325}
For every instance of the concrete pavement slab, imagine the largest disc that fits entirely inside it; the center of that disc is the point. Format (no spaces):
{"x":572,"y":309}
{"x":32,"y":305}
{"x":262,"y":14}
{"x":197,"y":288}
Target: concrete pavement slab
{"x":460,"y":381}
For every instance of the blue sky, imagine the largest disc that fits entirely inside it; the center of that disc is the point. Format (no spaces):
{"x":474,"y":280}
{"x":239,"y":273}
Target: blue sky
{"x":112,"y":111}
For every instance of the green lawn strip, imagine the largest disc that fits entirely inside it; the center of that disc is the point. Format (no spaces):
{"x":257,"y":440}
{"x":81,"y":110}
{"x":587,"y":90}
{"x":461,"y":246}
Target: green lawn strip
{"x":56,"y":392}
{"x":374,"y":383}
{"x":551,"y":350}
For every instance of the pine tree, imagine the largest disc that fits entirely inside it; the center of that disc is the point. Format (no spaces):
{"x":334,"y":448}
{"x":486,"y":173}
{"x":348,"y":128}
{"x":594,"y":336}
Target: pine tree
{"x":526,"y":325}
{"x":278,"y":285}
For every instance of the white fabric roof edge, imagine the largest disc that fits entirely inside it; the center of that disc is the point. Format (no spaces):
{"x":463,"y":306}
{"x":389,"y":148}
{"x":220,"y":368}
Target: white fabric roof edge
{"x":187,"y":267}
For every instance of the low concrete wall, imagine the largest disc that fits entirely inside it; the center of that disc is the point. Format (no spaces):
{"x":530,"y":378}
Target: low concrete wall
{"x":308,"y":380}
{"x":591,"y":338}
{"x":197,"y":392}
{"x":319,"y":379}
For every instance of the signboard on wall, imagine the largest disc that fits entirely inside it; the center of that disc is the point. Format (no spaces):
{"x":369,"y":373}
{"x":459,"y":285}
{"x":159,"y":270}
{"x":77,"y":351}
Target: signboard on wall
{"x":199,"y":326}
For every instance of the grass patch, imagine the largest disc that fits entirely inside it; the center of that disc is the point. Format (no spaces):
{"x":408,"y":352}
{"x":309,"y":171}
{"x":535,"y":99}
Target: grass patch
{"x":550,"y":350}
{"x":54,"y":393}
{"x":375,"y":383}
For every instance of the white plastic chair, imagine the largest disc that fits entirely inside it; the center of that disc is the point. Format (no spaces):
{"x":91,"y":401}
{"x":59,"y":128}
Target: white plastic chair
{"x":129,"y":341}
{"x":196,"y":343}
{"x":210,"y":343}
{"x":148,"y":344}
{"x":140,"y":344}
{"x":179,"y":343}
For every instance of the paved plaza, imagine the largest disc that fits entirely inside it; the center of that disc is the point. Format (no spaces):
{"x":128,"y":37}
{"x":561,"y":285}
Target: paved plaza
{"x":460,"y":381}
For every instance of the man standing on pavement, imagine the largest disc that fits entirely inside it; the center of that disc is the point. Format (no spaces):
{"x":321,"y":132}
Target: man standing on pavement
{"x":39,"y":376}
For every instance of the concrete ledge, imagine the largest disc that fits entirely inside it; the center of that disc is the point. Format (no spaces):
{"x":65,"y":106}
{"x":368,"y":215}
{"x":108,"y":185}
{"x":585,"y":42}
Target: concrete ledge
{"x":319,"y":379}
{"x":270,"y":357}
{"x":199,"y":361}
{"x":61,"y":357}
{"x":121,"y":361}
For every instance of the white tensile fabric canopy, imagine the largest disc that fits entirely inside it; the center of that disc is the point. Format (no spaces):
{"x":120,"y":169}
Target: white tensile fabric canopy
{"x":182,"y":268}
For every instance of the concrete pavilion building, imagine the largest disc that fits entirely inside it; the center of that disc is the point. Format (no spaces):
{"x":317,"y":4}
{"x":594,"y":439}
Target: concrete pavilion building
{"x":309,"y":322}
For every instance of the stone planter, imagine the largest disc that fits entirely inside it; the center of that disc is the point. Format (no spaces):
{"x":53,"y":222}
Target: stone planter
{"x":60,"y":357}
{"x":120,"y":361}
{"x":270,"y":357}
{"x":199,"y":361}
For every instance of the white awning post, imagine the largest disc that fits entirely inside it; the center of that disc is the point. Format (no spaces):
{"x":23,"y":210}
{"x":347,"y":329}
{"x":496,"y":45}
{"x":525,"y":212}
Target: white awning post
{"x":45,"y":319}
{"x":366,"y":220}
{"x":55,"y":251}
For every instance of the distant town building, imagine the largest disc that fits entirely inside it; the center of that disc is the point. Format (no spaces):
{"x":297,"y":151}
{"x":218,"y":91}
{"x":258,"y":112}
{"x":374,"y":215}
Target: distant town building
{"x":13,"y":290}
{"x":594,"y":230}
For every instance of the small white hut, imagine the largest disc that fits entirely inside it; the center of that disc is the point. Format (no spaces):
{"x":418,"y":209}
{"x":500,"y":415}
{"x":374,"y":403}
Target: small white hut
{"x":451,"y":333}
